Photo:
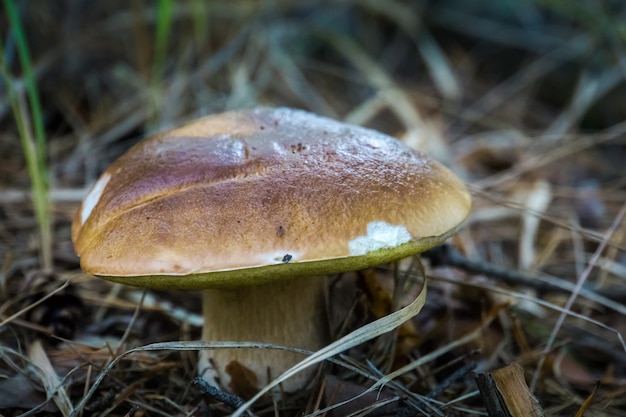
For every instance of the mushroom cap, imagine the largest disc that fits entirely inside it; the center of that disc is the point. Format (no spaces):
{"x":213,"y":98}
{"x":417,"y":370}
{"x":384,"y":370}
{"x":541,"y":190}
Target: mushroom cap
{"x":253,"y":196}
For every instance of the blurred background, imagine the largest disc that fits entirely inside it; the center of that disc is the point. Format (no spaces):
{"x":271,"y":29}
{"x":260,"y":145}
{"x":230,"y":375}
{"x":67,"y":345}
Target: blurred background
{"x":524,"y":99}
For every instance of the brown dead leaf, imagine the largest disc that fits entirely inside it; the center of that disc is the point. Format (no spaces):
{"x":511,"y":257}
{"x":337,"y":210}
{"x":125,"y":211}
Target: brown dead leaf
{"x":380,"y":295}
{"x":19,"y":392}
{"x":243,"y":381}
{"x":337,"y":391}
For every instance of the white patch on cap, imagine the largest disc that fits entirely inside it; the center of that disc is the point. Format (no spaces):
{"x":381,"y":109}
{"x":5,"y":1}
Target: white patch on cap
{"x":93,"y":197}
{"x":380,"y":235}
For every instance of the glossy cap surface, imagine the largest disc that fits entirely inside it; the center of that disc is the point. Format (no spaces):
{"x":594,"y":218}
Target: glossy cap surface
{"x":247,"y":197}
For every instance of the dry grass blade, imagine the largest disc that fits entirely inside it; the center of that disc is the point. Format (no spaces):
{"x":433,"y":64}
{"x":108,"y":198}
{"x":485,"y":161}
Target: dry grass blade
{"x":552,"y":156}
{"x":444,"y":349}
{"x":438,"y":65}
{"x":174,"y":346}
{"x":529,"y":298}
{"x":395,"y":98}
{"x":177,"y":313}
{"x":33,"y":305}
{"x":492,"y":30}
{"x":386,"y":379}
{"x":537,"y":201}
{"x":516,"y":208}
{"x":51,"y":382}
{"x":526,"y":77}
{"x":581,"y":280}
{"x":589,"y":90}
{"x":65,"y":195}
{"x":298,"y":83}
{"x":588,"y":401}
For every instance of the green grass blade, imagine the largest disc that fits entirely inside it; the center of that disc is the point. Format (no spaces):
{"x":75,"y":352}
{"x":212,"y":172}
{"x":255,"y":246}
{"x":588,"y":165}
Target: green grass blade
{"x":29,"y":81}
{"x":164,"y":24}
{"x":29,"y":121}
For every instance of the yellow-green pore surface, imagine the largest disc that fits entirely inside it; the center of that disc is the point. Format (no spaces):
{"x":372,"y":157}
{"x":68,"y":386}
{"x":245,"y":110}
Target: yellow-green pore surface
{"x":248,"y":197}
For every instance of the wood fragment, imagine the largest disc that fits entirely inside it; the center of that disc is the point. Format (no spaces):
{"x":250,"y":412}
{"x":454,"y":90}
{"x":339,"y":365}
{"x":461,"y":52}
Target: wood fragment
{"x":506,"y":394}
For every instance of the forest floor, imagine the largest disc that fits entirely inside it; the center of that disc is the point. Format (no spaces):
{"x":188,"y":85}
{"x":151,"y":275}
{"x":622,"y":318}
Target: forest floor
{"x":525,"y":100}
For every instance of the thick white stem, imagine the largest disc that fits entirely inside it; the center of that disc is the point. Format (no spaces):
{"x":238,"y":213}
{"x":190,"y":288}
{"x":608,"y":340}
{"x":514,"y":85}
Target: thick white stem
{"x":288,"y":313}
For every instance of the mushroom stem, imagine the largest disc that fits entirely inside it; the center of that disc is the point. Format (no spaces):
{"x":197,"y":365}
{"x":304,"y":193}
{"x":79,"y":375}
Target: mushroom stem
{"x":288,"y":313}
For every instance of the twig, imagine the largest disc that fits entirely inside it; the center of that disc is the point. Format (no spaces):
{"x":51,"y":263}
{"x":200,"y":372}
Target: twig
{"x":490,"y":396}
{"x":454,"y":377}
{"x":448,"y":255}
{"x":231,"y":400}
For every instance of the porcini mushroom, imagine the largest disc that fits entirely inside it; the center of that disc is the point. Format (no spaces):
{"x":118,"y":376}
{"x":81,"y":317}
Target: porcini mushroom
{"x":252,"y":207}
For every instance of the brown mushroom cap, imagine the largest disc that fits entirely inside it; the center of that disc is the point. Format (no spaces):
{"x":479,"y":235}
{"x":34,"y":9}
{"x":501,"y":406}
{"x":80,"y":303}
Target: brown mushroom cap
{"x":248,"y":197}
